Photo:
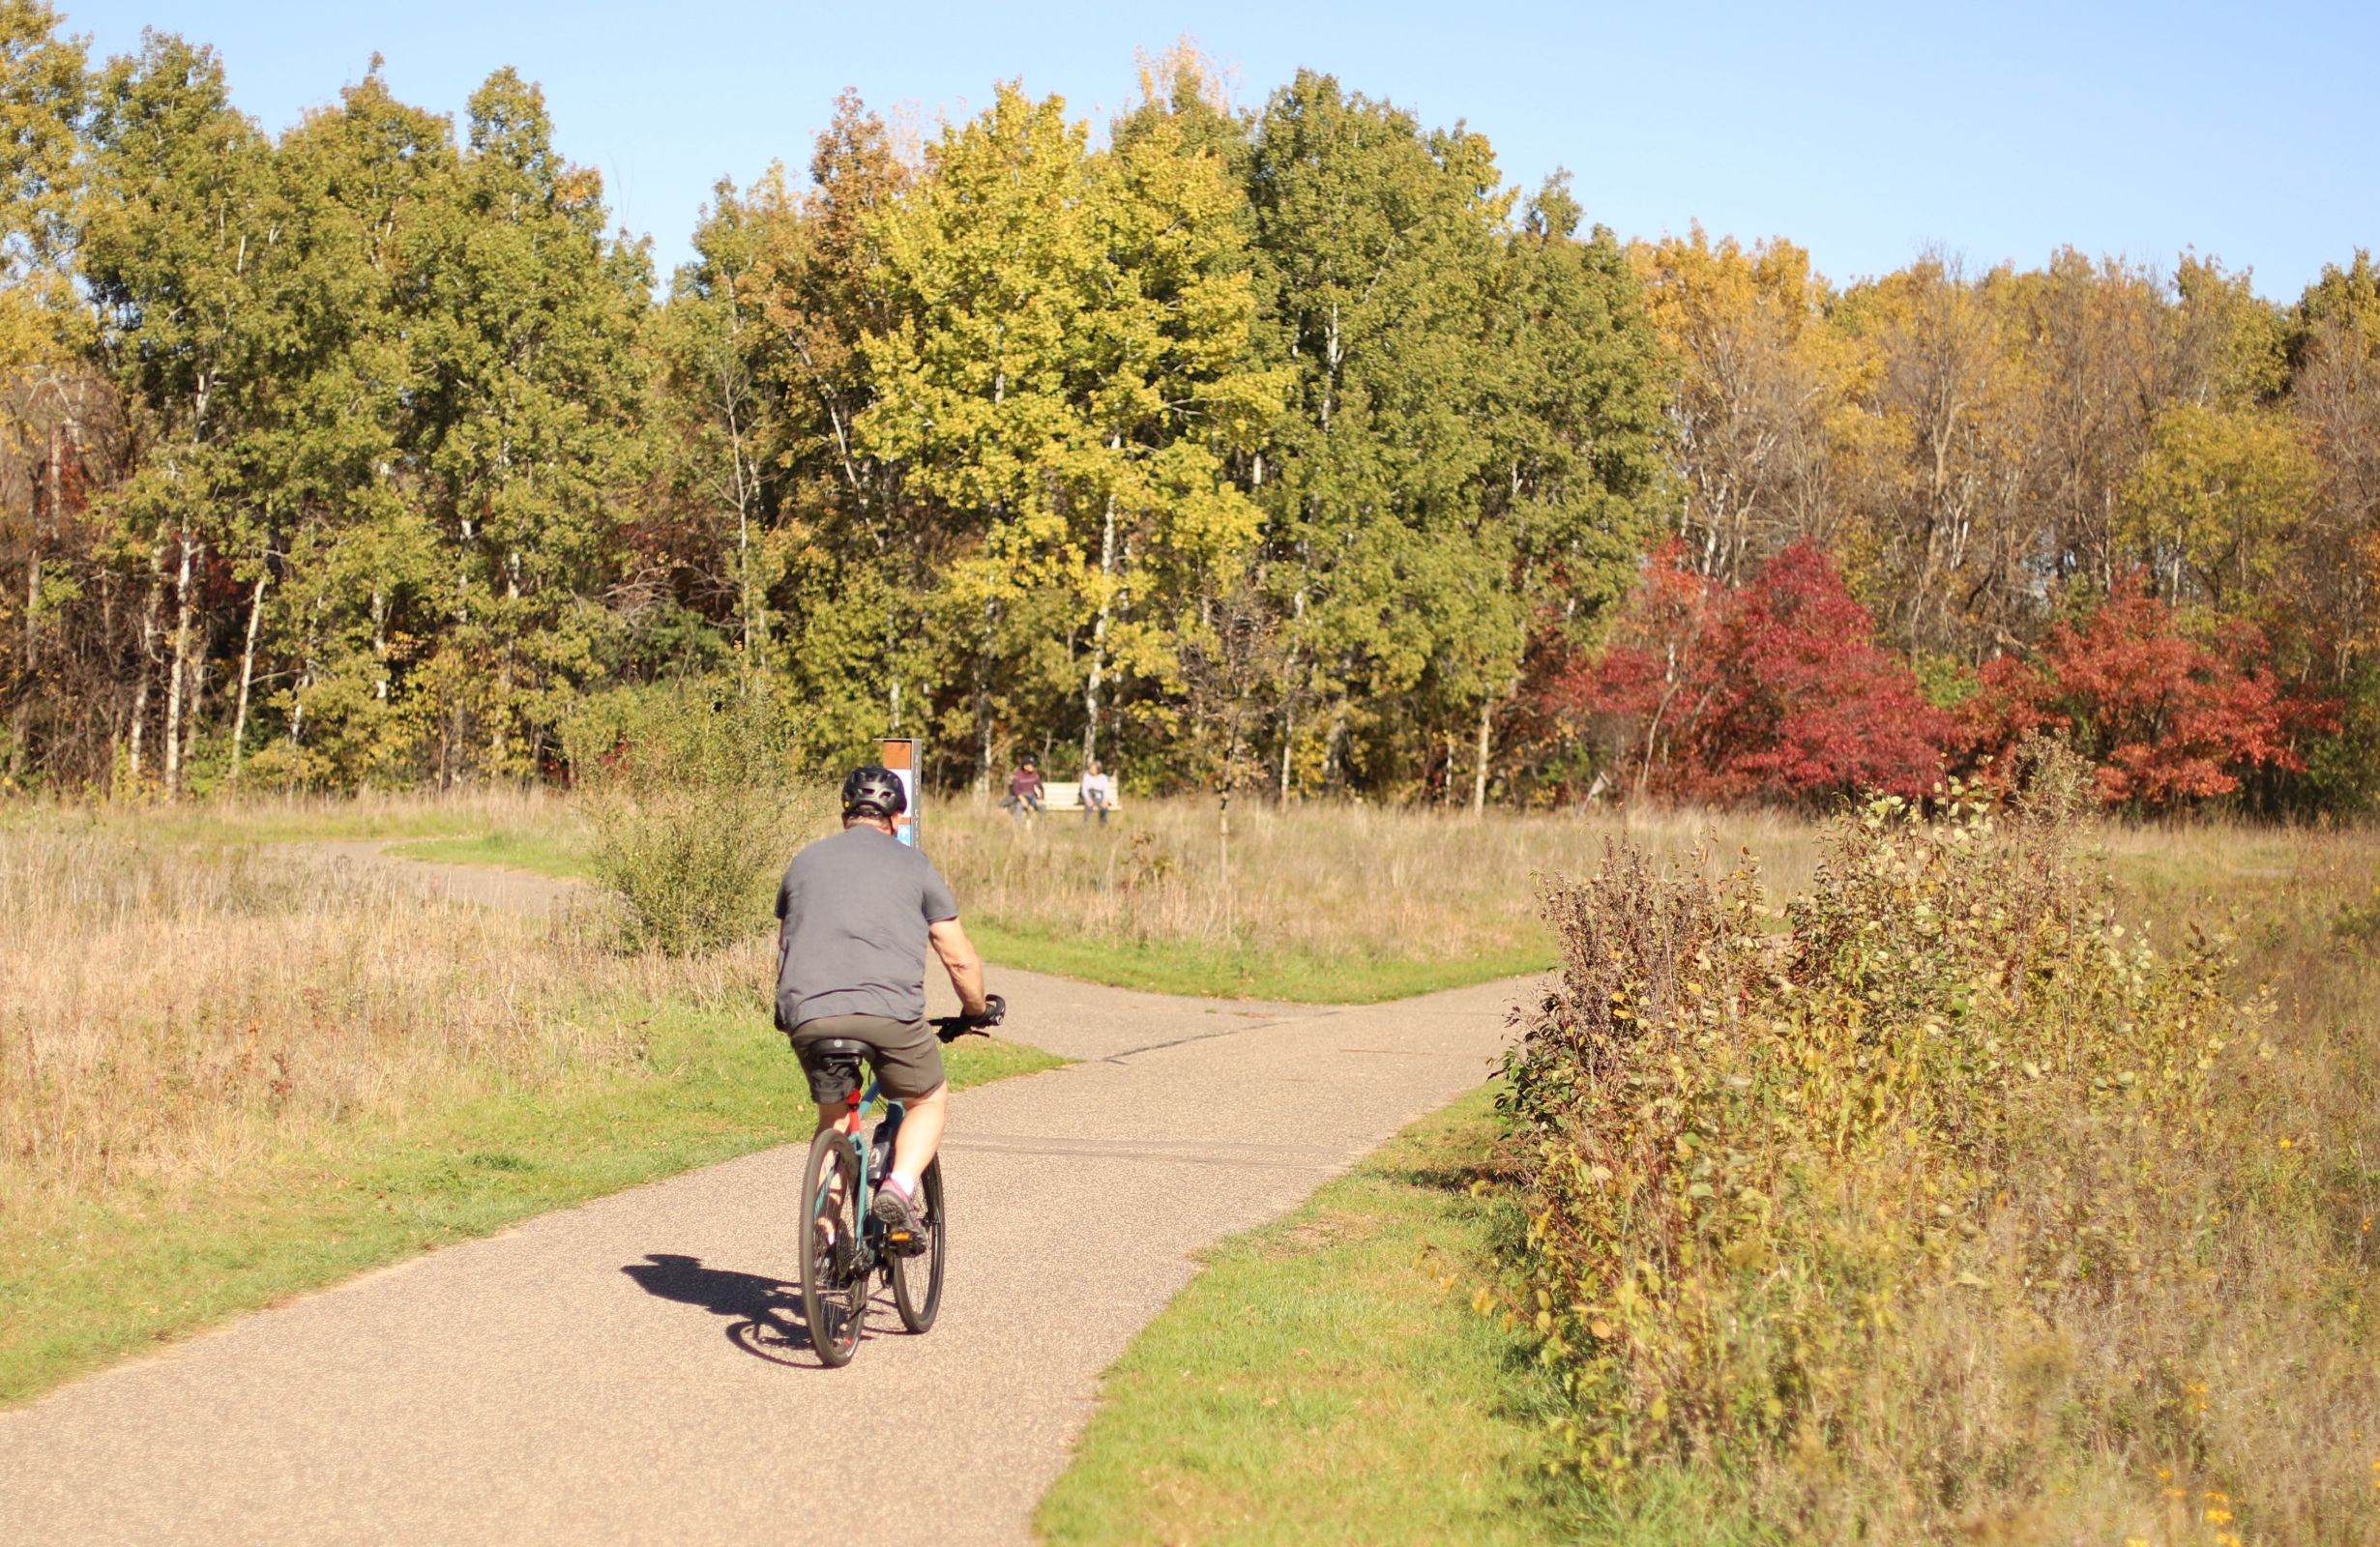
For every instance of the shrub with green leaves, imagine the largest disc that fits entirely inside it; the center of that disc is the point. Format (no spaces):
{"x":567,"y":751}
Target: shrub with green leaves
{"x":692,"y":793}
{"x":1931,"y":1212}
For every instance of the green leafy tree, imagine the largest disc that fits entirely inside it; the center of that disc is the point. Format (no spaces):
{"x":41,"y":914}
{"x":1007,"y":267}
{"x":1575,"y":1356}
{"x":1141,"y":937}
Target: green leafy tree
{"x":721,"y":362}
{"x":333,"y":514}
{"x":1472,"y":442}
{"x":1173,"y":394}
{"x":858,"y":555}
{"x":1066,"y":377}
{"x":525,"y":355}
{"x":1377,"y":254}
{"x":988,"y":264}
{"x":1567,"y":504}
{"x":184,"y":221}
{"x":44,"y":93}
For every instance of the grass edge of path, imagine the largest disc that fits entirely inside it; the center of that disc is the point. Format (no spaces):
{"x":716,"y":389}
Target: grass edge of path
{"x":104,"y":1282}
{"x":1200,"y":972}
{"x":1325,"y":1379}
{"x":502,"y":849}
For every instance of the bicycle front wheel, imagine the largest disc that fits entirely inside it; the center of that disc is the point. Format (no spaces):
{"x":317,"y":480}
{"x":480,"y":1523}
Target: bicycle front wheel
{"x":917,"y":1277}
{"x":834,"y":1286}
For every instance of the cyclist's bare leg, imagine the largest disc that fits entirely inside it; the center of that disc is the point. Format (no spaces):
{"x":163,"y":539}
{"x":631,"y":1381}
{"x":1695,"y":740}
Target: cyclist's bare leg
{"x":828,"y":1117}
{"x":920,"y":1136}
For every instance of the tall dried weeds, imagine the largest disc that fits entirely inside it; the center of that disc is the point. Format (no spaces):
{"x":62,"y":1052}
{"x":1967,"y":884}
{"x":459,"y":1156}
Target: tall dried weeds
{"x":1957,"y":1212}
{"x":170,"y":1011}
{"x":1329,"y":882}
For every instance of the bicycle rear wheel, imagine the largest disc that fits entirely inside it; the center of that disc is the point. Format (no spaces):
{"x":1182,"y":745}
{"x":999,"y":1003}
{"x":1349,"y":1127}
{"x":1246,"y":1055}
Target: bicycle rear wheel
{"x":917,"y":1278}
{"x":834,"y":1289}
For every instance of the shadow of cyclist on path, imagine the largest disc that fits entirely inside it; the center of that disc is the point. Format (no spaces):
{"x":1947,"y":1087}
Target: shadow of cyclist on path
{"x":765,"y":1313}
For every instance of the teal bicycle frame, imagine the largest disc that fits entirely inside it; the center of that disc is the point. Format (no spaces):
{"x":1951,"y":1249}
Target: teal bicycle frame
{"x":879,"y":1141}
{"x":836,"y":1280}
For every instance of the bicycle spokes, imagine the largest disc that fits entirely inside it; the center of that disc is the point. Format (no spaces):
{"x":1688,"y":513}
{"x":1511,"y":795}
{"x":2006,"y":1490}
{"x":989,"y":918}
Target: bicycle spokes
{"x":835,"y":1261}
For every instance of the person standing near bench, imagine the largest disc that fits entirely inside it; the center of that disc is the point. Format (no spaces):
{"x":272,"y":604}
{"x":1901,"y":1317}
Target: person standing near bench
{"x":1099,"y":790}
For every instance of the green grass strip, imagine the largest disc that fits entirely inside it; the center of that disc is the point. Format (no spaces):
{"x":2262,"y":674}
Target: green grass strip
{"x":110,"y":1282}
{"x":545,"y":853}
{"x":1205,"y":972}
{"x":1319,"y":1381}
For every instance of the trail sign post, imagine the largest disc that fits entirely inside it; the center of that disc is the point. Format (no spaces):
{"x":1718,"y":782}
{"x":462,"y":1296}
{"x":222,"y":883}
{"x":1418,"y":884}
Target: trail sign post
{"x":900,"y":756}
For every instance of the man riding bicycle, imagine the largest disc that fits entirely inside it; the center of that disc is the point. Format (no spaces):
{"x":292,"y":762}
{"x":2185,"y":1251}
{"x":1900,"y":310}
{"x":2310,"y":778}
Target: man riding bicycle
{"x":856,"y":913}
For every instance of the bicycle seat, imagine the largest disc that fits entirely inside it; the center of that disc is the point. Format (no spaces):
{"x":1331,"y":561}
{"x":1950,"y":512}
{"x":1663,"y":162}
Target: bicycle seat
{"x":838,"y":1047}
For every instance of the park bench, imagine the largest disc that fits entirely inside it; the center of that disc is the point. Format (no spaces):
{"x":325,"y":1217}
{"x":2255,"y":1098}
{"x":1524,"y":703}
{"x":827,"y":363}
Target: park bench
{"x":1066,"y":795}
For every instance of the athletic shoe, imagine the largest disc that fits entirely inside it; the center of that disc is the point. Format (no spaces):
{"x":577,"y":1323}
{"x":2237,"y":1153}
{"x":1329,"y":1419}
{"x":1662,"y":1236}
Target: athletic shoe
{"x":896,"y":1212}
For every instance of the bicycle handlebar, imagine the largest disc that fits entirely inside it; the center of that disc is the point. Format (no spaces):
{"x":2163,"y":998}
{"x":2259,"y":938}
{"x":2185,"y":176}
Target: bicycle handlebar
{"x":951,"y":1028}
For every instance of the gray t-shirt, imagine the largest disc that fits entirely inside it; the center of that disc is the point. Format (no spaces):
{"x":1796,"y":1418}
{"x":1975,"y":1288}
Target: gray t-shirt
{"x":855,"y":907}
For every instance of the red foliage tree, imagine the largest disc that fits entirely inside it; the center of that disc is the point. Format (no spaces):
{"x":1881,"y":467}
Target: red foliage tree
{"x":2165,"y":717}
{"x":1772,"y":691}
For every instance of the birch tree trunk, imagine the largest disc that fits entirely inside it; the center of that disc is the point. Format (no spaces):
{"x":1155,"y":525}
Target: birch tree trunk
{"x":1479,"y":770}
{"x":1099,"y":629}
{"x":180,"y":669}
{"x":247,"y":674}
{"x":148,"y":652}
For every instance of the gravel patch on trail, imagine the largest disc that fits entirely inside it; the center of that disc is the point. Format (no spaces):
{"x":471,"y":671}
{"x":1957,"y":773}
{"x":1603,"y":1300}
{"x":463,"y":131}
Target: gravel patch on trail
{"x":635,"y":1370}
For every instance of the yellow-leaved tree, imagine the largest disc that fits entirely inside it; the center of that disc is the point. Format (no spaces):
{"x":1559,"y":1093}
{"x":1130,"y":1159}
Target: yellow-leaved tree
{"x":1768,"y":403}
{"x":2216,"y":504}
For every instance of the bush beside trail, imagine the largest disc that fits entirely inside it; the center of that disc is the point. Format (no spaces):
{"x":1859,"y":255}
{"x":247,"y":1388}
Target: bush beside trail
{"x":694,"y":809}
{"x":1954,"y":1212}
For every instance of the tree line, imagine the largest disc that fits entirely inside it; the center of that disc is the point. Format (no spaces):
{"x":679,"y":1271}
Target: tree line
{"x":2139,"y":509}
{"x":1285,"y":448}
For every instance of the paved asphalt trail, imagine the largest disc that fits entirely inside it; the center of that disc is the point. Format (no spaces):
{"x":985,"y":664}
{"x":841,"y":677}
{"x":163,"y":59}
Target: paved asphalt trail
{"x":635,"y":1370}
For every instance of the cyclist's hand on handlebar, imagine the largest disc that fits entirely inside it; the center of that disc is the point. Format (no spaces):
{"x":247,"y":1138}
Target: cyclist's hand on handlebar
{"x":966,"y":1023}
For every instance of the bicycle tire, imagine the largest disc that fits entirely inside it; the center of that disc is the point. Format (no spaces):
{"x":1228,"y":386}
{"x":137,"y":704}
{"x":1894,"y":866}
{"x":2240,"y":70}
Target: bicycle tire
{"x":834,"y":1299}
{"x":917,"y":1280}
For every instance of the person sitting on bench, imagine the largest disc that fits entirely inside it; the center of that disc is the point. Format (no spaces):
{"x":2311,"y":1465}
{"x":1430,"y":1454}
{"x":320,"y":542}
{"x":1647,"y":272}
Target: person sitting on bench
{"x":1099,"y":790}
{"x":1024,"y":796}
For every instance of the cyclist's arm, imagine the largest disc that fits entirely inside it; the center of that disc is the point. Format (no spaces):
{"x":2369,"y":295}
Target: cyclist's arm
{"x":958,"y":960}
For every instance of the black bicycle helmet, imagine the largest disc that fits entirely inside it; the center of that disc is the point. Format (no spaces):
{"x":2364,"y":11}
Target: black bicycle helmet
{"x":873,"y":791}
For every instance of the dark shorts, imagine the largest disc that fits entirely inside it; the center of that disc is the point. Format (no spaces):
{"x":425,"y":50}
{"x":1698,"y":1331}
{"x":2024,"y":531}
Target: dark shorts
{"x":907,"y":1057}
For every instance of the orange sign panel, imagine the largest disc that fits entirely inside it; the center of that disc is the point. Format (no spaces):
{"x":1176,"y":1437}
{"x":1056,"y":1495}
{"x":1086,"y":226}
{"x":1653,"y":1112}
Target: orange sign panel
{"x":900,"y":756}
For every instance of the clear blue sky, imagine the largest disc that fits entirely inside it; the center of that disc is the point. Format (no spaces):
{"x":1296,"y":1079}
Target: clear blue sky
{"x":1861,"y":132}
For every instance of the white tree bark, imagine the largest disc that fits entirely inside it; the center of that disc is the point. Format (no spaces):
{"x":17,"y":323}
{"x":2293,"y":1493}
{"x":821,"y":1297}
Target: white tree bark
{"x":1099,"y":629}
{"x":1479,"y":770}
{"x":180,"y":670}
{"x":247,"y":674}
